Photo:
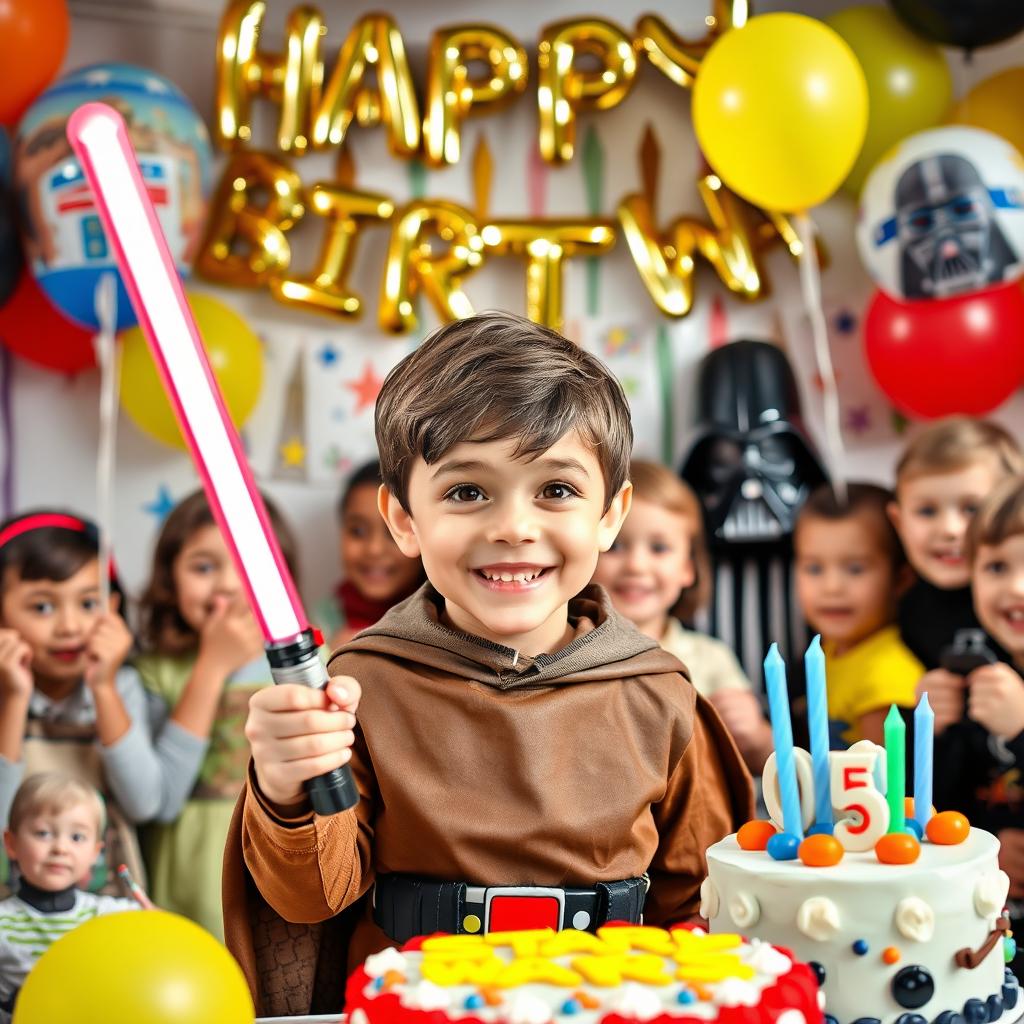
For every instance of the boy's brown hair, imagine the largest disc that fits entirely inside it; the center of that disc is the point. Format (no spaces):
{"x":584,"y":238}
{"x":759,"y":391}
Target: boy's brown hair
{"x":868,"y":500}
{"x":653,"y":483}
{"x":1000,"y":517}
{"x":53,"y":791}
{"x":495,"y":376}
{"x":954,"y":443}
{"x":163,"y":630}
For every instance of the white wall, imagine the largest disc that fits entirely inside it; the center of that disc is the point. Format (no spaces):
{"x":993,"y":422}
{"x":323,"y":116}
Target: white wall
{"x":53,"y":440}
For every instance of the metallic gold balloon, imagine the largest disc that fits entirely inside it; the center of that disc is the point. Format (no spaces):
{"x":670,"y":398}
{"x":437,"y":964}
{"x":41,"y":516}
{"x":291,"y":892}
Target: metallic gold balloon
{"x":412,"y":263}
{"x":679,"y":58}
{"x":546,"y":244}
{"x":374,"y":40}
{"x":732,"y":244}
{"x":324,"y":290}
{"x":563,"y":89}
{"x":453,"y":93}
{"x":235,"y":221}
{"x":291,"y":78}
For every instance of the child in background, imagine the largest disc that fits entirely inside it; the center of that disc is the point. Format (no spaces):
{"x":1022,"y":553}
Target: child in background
{"x":850,"y":570}
{"x":657,"y":574}
{"x":988,"y":787}
{"x":203,"y":659}
{"x":67,"y":701}
{"x":377,"y":574}
{"x":54,"y":834}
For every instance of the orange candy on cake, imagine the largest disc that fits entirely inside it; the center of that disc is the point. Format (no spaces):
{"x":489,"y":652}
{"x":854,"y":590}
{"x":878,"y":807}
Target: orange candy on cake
{"x":948,"y":828}
{"x":754,"y":835}
{"x":897,"y":848}
{"x":820,"y":851}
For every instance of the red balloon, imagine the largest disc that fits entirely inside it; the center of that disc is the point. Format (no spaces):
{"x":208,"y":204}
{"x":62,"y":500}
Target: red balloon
{"x":31,"y":328}
{"x":33,"y":40}
{"x":959,"y":355}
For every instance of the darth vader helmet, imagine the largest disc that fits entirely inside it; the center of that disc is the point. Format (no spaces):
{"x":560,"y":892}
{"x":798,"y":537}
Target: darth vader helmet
{"x":751,"y":462}
{"x":950,"y":241}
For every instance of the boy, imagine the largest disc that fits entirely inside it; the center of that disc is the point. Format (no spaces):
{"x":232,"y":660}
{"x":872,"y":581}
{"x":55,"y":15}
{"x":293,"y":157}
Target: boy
{"x":54,"y":835}
{"x":513,"y":732}
{"x":850,"y":568}
{"x":991,"y":790}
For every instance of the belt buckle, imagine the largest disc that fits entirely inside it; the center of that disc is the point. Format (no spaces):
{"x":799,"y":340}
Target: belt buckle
{"x":522,"y":907}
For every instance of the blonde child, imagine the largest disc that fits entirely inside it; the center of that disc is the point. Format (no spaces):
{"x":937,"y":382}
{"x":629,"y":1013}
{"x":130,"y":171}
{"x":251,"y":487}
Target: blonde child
{"x":377,"y":574}
{"x":54,"y":834}
{"x":203,"y":658}
{"x":657,"y":574}
{"x":850,"y":569}
{"x":67,"y":701}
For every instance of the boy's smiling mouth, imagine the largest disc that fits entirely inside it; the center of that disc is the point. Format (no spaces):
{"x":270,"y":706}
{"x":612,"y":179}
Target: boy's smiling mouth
{"x":511,"y":575}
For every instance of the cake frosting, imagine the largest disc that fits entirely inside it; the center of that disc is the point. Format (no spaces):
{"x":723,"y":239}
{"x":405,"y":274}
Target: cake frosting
{"x":623,"y":973}
{"x":908,"y":943}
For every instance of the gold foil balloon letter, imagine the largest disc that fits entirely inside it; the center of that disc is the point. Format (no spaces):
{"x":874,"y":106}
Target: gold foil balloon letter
{"x":413,"y":263}
{"x":291,"y":78}
{"x":453,"y":92}
{"x":374,"y":41}
{"x":245,"y":243}
{"x":563,"y":89}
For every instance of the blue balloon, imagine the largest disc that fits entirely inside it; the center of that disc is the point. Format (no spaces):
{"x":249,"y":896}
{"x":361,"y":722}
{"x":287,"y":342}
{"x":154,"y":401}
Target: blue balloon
{"x":66,"y":247}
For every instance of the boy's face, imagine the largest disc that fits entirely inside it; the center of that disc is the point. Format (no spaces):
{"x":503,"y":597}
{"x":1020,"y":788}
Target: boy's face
{"x":369,"y":555}
{"x":931,"y":515}
{"x":55,"y":619}
{"x":508,"y":542}
{"x":56,"y":849}
{"x":997,"y":584}
{"x":845,"y":579}
{"x":649,"y":563}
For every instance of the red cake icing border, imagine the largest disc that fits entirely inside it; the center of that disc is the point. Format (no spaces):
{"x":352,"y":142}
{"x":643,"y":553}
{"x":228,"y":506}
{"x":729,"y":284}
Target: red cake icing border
{"x":795,"y":990}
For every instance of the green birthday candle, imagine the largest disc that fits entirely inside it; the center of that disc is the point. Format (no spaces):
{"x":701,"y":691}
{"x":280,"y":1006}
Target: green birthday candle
{"x":895,"y":768}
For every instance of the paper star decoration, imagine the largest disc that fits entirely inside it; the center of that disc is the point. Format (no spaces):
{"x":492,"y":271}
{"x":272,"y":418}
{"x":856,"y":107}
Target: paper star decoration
{"x":328,"y":355}
{"x":162,"y":506}
{"x":366,"y":387}
{"x":293,"y":453}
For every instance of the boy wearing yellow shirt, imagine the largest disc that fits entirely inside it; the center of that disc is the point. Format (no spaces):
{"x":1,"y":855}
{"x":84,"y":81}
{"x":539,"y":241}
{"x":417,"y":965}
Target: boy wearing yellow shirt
{"x":850,"y":571}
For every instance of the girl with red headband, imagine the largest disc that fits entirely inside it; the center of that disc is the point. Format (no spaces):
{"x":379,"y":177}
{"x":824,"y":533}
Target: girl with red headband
{"x":67,"y":700}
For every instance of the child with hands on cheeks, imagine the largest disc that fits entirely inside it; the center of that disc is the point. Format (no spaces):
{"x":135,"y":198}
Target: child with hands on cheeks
{"x":203,"y":659}
{"x":850,"y":570}
{"x":988,"y":781}
{"x":67,"y":700}
{"x":513,"y":730}
{"x":657,"y":574}
{"x":54,"y":835}
{"x":377,"y":574}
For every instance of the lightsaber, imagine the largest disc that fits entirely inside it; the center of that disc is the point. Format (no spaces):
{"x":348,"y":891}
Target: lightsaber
{"x":99,"y":137}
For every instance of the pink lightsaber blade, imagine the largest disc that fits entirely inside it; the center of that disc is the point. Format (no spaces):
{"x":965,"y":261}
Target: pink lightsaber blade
{"x":99,"y":137}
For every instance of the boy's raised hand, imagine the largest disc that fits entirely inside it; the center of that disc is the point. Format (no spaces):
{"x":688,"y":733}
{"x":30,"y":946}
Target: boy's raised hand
{"x":297,"y":733}
{"x":945,"y":696}
{"x":996,"y":699}
{"x":106,"y":648}
{"x":15,"y":664}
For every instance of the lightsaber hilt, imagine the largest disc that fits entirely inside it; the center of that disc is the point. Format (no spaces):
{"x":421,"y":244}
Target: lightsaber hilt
{"x":297,"y":660}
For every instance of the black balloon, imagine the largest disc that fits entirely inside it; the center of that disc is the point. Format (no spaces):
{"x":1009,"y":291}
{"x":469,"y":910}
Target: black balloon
{"x":964,"y":23}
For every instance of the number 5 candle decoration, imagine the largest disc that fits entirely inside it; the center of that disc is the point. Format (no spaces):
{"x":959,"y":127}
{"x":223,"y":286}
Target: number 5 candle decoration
{"x":99,"y":137}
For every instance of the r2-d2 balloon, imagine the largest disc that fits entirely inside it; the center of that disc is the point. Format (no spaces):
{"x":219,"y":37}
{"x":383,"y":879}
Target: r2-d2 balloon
{"x":943,"y":214}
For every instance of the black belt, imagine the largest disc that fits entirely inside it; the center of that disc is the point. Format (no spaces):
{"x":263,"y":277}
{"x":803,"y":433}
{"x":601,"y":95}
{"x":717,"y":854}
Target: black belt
{"x":405,"y":906}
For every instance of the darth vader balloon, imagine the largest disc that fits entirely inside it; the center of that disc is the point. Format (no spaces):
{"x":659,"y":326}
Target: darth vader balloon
{"x":751,"y":463}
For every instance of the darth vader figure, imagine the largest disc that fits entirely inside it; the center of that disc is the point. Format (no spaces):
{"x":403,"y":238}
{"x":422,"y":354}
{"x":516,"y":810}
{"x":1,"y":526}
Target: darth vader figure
{"x":752,"y":467}
{"x":949,"y":238}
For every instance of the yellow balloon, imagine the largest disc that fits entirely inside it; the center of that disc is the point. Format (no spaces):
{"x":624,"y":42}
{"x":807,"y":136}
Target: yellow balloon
{"x":135,"y":966}
{"x":995,"y":105}
{"x":235,"y":354}
{"x":780,"y":108}
{"x":909,"y":84}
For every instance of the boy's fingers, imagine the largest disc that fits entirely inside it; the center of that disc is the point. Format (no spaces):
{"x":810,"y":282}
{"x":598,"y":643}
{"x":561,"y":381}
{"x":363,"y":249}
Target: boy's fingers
{"x":289,"y":697}
{"x":299,"y":748}
{"x":294,"y":773}
{"x":307,"y":723}
{"x":344,"y":691}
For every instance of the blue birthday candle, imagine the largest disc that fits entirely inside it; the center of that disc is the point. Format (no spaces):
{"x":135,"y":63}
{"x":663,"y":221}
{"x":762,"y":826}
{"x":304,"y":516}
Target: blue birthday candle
{"x":817,"y":721}
{"x":924,"y":732}
{"x":782,"y":734}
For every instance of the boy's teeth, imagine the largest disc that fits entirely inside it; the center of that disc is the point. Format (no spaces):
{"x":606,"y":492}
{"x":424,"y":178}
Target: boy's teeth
{"x":512,"y":577}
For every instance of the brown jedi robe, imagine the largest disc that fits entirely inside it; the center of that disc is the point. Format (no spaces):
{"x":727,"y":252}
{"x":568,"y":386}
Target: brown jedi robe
{"x":478,"y":764}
